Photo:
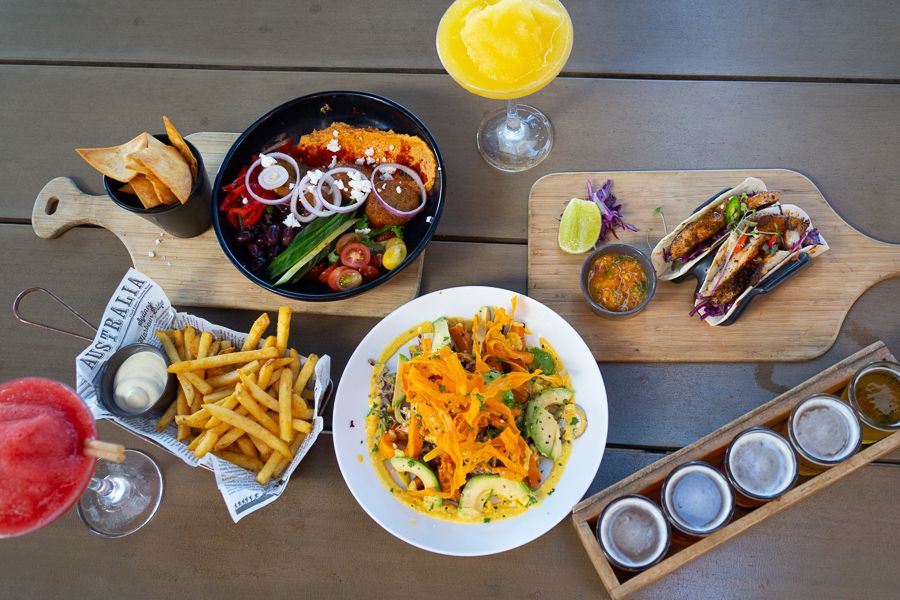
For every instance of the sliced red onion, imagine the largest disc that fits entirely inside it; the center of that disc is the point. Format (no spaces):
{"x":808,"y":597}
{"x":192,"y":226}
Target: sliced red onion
{"x":413,"y":175}
{"x":288,"y":159}
{"x":336,"y":207}
{"x":302,"y":218}
{"x":316,"y":209}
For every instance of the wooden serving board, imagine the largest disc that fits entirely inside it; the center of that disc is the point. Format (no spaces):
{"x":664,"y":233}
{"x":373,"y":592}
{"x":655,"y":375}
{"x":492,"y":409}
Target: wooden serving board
{"x":797,"y":321}
{"x":711,"y":448}
{"x":195,"y":271}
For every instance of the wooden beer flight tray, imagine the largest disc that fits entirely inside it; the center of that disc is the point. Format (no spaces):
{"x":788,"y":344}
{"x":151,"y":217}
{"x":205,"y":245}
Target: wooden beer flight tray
{"x":711,"y":448}
{"x":195,"y":271}
{"x":797,"y":321}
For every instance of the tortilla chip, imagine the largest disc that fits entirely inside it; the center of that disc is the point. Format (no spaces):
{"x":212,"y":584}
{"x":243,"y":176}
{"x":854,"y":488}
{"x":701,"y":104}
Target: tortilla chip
{"x":144,"y":190}
{"x":111,"y":161}
{"x":167,"y":165}
{"x":127,"y":188}
{"x":164,"y":194}
{"x":152,"y":142}
{"x":179,"y":143}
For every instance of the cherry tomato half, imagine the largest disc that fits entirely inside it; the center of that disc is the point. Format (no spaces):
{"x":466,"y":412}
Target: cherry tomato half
{"x":344,"y":278}
{"x":347,"y":238}
{"x":394,"y":241}
{"x":323,"y":276}
{"x":355,"y":255}
{"x":369,"y":272}
{"x":377,"y":261}
{"x":394,"y":255}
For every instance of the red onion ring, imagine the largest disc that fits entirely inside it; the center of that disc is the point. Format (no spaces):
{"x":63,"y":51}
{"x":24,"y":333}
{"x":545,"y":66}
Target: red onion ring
{"x":337,"y":206}
{"x":413,"y":175}
{"x":257,"y":163}
{"x":301,"y":218}
{"x":316,"y":209}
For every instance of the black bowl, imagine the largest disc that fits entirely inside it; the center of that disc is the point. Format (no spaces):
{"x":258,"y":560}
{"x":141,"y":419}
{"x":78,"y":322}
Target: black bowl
{"x":181,"y":220}
{"x":303,"y":115}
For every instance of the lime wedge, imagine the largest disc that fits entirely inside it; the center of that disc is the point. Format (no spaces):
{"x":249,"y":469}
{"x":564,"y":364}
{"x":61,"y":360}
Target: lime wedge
{"x":579,"y":227}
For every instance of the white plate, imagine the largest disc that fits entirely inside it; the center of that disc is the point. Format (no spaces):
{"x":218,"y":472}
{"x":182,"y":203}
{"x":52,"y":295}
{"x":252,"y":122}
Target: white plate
{"x":468,"y":539}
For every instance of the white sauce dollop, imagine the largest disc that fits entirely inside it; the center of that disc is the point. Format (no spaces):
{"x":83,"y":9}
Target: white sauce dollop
{"x":140,"y":381}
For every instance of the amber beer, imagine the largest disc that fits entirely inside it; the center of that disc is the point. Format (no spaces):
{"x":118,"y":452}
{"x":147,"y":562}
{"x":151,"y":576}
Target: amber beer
{"x":874,"y":393}
{"x":824,"y":432}
{"x":633,"y":533}
{"x":697,"y":500}
{"x":760,"y":464}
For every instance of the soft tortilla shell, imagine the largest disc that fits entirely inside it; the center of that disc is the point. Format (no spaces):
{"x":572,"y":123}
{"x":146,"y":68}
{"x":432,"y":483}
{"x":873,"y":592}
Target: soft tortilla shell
{"x":111,"y":161}
{"x":751,"y":185}
{"x":773,"y":263}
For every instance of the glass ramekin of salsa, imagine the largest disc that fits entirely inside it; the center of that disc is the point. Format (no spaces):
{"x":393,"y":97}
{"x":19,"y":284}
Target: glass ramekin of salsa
{"x":618,"y":280}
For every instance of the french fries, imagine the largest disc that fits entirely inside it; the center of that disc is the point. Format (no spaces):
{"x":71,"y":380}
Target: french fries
{"x":246,"y":405}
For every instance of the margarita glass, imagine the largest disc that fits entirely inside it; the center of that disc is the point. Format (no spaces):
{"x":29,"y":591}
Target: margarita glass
{"x":507,"y":49}
{"x":45,"y":429}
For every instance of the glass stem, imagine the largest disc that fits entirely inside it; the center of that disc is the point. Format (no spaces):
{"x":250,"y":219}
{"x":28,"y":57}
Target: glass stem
{"x":513,"y":123}
{"x":109,"y":490}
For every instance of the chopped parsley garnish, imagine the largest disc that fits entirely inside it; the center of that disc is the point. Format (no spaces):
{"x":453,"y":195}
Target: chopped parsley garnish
{"x":543,"y":361}
{"x":487,"y":519}
{"x":490,"y":376}
{"x":508,"y":398}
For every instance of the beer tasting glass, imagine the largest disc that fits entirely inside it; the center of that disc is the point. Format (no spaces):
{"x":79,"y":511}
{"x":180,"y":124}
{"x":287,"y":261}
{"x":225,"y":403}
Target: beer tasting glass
{"x":760,"y":464}
{"x":874,"y":393}
{"x":824,"y":432}
{"x":697,"y":500}
{"x":633,"y":533}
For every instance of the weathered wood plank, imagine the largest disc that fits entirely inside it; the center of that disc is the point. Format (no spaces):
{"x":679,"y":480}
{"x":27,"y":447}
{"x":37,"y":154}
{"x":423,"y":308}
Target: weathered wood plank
{"x":751,"y":39}
{"x":600,"y":124}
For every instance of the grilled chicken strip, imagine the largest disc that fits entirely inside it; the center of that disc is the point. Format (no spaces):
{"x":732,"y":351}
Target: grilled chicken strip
{"x":698,"y":232}
{"x":741,"y":272}
{"x":763,"y":199}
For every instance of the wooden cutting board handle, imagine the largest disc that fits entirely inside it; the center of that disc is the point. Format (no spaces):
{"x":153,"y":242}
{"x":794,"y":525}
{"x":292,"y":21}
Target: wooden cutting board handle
{"x":60,"y":206}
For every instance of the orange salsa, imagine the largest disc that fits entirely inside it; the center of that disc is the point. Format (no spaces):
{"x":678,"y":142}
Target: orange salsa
{"x":617,"y":282}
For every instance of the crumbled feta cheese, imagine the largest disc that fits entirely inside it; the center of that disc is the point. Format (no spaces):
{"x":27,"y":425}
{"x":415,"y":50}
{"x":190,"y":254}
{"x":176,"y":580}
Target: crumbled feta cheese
{"x":291,"y":185}
{"x":244,"y":201}
{"x":388,"y":170}
{"x":333,"y":161}
{"x":334,"y":133}
{"x":370,"y":160}
{"x":429,"y":219}
{"x":267,"y":161}
{"x":360,"y":161}
{"x":391,"y":147}
{"x":333,"y":145}
{"x":151,"y":254}
{"x":314,"y":176}
{"x":399,"y":189}
{"x":370,"y":151}
{"x":364,"y":230}
{"x":356,"y":175}
{"x":291,"y":221}
{"x":339,"y":183}
{"x":158,"y":242}
{"x":359,"y":189}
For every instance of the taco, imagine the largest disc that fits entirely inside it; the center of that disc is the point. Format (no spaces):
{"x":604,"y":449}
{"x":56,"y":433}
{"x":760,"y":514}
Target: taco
{"x":761,"y":243}
{"x":703,"y":231}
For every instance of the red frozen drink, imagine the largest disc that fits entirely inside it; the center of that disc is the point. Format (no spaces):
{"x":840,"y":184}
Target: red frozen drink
{"x":43,"y":469}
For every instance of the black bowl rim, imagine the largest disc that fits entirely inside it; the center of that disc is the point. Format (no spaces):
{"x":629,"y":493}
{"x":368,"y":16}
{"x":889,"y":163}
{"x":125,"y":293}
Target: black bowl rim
{"x":156,"y":210}
{"x":611,"y":247}
{"x":331,"y":296}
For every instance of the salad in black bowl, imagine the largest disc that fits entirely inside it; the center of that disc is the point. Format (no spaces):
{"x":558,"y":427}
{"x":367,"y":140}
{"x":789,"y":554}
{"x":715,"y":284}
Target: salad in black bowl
{"x":328,"y":195}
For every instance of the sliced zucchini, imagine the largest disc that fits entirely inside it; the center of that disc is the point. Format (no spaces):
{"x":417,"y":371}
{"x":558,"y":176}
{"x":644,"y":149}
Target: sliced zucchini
{"x":415,"y":467}
{"x":441,"y":334}
{"x":481,"y":488}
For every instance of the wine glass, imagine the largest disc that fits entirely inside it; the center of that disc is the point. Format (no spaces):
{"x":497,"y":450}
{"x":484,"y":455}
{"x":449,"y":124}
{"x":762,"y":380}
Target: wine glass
{"x":507,"y":49}
{"x":49,"y":461}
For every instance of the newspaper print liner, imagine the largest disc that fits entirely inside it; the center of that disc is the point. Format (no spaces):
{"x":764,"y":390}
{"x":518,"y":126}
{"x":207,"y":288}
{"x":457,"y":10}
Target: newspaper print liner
{"x":777,"y":261}
{"x":664,"y":270}
{"x":139,"y":307}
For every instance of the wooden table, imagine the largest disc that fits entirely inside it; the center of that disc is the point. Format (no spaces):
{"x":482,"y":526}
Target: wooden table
{"x":650,"y":85}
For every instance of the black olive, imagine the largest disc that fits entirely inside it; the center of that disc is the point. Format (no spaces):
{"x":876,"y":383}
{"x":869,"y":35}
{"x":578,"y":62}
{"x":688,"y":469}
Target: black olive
{"x":243,"y":237}
{"x":272,"y":252}
{"x":287,"y":236}
{"x":272,"y":235}
{"x":257,"y":264}
{"x":254,"y":250}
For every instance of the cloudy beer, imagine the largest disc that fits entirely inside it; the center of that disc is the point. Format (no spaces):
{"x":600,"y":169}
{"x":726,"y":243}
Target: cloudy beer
{"x":824,"y":432}
{"x":697,"y":500}
{"x":760,"y":464}
{"x":633,"y":533}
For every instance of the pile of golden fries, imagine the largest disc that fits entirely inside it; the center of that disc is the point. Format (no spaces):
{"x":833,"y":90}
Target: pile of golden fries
{"x":247,"y":406}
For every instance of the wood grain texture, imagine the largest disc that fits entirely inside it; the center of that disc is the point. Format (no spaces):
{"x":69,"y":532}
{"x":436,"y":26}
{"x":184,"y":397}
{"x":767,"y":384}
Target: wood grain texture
{"x":600,"y":125}
{"x":195,"y":271}
{"x":711,"y":448}
{"x":813,"y":303}
{"x":708,"y":38}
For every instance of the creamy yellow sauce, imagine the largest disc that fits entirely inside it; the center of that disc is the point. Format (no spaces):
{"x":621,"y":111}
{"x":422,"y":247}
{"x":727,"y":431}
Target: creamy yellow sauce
{"x":449,"y":512}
